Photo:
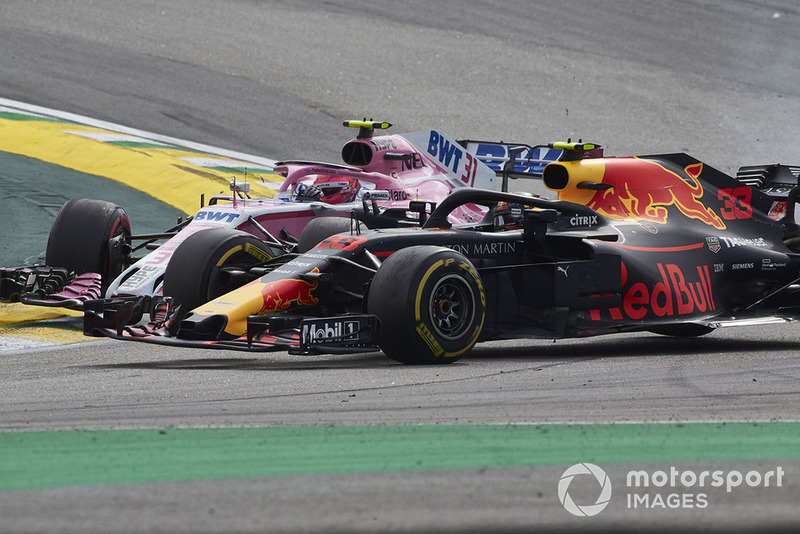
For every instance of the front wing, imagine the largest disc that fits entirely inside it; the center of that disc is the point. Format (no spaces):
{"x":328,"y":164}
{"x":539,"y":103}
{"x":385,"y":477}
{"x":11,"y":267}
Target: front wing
{"x":121,"y":318}
{"x":42,"y":285}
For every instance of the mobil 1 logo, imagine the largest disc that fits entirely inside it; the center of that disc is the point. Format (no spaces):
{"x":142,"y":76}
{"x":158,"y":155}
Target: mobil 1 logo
{"x":346,"y":331}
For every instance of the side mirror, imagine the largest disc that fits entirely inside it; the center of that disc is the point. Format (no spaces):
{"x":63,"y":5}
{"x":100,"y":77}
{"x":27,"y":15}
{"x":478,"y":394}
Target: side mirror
{"x":535,"y":227}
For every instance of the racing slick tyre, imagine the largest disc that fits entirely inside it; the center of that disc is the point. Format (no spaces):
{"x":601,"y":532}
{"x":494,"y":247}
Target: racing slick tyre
{"x":198,"y":270}
{"x":431,"y":304}
{"x":90,"y":236}
{"x":321,"y":228}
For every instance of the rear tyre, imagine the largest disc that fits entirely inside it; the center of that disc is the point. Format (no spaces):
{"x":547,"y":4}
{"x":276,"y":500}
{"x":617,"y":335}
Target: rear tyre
{"x":321,"y":228}
{"x":90,"y":236}
{"x":431,"y":304}
{"x":196,"y":272}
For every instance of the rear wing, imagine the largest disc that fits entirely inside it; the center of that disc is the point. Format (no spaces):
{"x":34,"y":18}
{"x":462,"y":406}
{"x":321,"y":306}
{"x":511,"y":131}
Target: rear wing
{"x":779,"y":182}
{"x":769,"y":178}
{"x":520,"y":160}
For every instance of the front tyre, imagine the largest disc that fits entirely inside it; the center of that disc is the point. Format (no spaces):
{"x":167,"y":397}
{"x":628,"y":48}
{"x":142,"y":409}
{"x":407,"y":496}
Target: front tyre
{"x":431,"y":304}
{"x":90,"y":236}
{"x":200,"y":268}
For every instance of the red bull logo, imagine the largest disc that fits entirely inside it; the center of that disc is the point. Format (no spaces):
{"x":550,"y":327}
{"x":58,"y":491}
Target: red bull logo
{"x":281,"y":294}
{"x":643,"y":190}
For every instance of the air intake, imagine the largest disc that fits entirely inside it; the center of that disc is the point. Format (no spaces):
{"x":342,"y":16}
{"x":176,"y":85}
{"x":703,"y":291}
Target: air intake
{"x":357,"y":153}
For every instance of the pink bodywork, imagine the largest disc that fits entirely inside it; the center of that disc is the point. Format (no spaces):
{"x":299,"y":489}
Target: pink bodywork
{"x":424,"y":166}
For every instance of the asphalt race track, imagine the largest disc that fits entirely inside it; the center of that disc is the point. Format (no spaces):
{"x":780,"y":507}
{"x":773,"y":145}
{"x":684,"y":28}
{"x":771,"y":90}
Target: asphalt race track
{"x":494,"y":432}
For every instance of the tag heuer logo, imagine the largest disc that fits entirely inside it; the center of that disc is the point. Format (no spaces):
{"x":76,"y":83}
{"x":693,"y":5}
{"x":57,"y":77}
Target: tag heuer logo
{"x":713,"y":244}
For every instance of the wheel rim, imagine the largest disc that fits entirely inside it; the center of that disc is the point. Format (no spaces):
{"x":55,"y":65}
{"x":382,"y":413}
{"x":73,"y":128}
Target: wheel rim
{"x":451,"y":307}
{"x":119,"y":252}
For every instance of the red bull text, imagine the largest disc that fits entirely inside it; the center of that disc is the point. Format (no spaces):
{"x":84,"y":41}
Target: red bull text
{"x":677,"y":293}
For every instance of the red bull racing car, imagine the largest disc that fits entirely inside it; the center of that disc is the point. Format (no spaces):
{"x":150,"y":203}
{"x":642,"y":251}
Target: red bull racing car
{"x":661,"y":243}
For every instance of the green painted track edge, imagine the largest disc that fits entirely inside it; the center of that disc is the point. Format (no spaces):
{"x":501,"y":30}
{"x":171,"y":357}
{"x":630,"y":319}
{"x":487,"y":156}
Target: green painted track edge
{"x":47,"y":459}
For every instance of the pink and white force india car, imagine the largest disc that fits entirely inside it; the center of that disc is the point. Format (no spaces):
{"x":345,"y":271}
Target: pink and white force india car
{"x":385,"y":181}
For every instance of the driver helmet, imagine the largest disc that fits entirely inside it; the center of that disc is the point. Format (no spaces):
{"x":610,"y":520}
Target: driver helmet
{"x":508,"y":215}
{"x":336,"y":189}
